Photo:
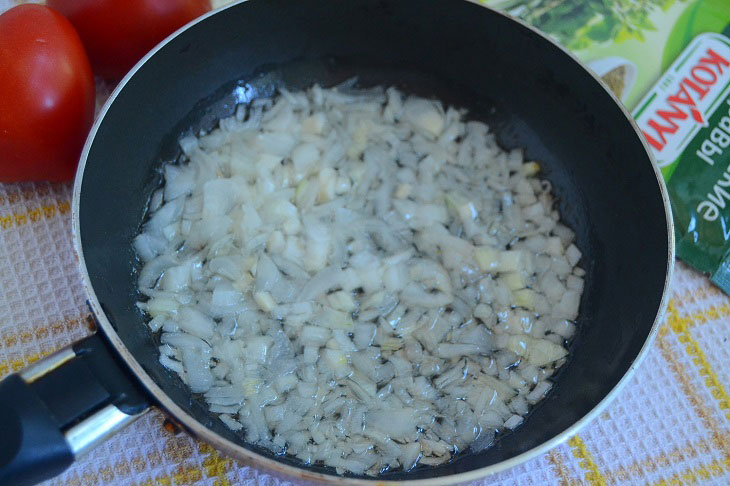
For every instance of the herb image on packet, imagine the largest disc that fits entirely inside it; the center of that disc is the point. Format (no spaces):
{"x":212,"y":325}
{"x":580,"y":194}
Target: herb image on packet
{"x":685,"y":118}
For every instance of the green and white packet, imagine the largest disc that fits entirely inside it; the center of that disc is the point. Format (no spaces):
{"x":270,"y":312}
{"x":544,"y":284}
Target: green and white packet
{"x":685,"y":118}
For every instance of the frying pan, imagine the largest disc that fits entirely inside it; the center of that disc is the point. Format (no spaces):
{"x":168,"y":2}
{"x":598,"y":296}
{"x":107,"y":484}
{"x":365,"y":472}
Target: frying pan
{"x":532,"y":93}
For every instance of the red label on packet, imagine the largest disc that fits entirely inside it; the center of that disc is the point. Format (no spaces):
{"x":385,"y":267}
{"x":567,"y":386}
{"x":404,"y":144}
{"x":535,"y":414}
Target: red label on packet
{"x":685,"y":118}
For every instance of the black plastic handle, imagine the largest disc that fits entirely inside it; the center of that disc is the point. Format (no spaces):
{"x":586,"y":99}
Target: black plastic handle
{"x":42,"y":407}
{"x":27,"y":423}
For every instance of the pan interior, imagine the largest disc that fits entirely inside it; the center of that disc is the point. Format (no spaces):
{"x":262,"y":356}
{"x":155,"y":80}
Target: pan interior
{"x":532,"y":95}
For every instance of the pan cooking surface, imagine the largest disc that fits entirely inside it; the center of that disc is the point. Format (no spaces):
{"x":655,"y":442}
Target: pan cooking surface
{"x":529,"y":92}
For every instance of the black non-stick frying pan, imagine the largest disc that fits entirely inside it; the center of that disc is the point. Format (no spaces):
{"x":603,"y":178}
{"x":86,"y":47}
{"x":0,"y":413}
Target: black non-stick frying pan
{"x":531,"y":92}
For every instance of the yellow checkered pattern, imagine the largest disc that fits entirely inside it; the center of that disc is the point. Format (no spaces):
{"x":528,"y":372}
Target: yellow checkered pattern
{"x":670,"y":425}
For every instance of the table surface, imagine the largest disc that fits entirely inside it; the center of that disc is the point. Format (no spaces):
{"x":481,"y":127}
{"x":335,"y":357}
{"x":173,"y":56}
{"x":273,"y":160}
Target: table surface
{"x":669,"y":426}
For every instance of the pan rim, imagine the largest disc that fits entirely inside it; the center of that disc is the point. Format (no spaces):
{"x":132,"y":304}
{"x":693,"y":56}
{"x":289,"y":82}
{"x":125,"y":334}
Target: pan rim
{"x":252,"y":458}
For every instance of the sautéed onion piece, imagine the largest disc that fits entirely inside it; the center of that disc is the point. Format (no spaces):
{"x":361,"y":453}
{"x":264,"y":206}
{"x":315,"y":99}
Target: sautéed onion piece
{"x":360,"y":279}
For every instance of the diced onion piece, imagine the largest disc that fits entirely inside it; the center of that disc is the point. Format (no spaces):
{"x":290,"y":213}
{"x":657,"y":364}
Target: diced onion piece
{"x":514,"y":280}
{"x":334,"y":319}
{"x":539,"y":352}
{"x":337,"y":362}
{"x":195,"y":322}
{"x":264,"y":300}
{"x":197,"y":370}
{"x":530,"y":168}
{"x":525,"y":298}
{"x":425,"y":115}
{"x":515,"y":261}
{"x":573,"y":255}
{"x":487,"y":258}
{"x":257,"y":349}
{"x":314,"y":335}
{"x":341,"y":301}
{"x":538,"y":392}
{"x":568,"y":306}
{"x":513,"y":421}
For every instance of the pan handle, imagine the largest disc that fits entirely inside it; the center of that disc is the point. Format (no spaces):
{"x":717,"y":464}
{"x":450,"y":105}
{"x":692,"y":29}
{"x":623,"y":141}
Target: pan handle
{"x":61,"y":407}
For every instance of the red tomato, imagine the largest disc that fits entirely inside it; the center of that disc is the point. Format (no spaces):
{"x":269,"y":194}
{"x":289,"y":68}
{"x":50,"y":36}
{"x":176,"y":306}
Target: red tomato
{"x":117,"y":33}
{"x":46,"y":94}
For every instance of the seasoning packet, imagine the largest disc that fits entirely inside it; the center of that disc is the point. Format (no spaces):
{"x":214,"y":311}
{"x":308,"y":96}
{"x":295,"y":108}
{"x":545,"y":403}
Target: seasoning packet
{"x":685,"y":118}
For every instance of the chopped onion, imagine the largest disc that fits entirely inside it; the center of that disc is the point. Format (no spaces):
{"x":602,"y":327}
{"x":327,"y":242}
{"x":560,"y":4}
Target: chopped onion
{"x":361,"y":279}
